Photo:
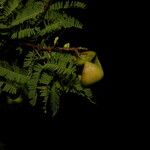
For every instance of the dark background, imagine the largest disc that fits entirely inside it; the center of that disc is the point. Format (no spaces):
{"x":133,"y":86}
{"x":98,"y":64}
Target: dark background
{"x":78,"y":122}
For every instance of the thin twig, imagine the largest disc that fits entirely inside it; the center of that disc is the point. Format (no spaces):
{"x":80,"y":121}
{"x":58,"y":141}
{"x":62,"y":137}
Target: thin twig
{"x":39,"y":47}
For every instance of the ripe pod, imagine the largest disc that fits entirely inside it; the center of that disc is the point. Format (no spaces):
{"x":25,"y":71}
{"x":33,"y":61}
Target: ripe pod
{"x":91,"y":73}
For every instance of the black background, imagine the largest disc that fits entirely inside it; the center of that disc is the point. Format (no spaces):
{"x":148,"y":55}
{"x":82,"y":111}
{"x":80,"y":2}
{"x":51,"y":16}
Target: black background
{"x":78,"y":122}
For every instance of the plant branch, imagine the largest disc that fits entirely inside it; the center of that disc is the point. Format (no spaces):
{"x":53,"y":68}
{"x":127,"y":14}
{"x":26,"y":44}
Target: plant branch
{"x":38,"y":47}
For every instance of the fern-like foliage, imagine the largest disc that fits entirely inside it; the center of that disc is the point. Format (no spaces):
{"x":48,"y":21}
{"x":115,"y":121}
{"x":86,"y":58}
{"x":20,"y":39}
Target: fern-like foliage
{"x":29,"y":12}
{"x":12,"y":78}
{"x":2,"y":2}
{"x":54,"y":78}
{"x":27,"y":21}
{"x":10,"y":7}
{"x":30,"y":72}
{"x":67,"y":5}
{"x":46,"y":81}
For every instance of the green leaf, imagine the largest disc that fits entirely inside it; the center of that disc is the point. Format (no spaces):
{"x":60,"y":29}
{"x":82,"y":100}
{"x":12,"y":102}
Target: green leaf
{"x":45,"y":79}
{"x":33,"y":95}
{"x":1,"y":84}
{"x":29,"y":13}
{"x":2,"y":2}
{"x":59,"y":21}
{"x":54,"y":100}
{"x":67,"y":5}
{"x":11,"y":6}
{"x":13,"y":76}
{"x":10,"y":88}
{"x":23,"y":33}
{"x":3,"y":26}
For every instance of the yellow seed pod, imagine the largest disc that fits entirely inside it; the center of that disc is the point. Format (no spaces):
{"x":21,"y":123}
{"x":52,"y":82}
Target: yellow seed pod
{"x":91,"y":73}
{"x":85,"y":56}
